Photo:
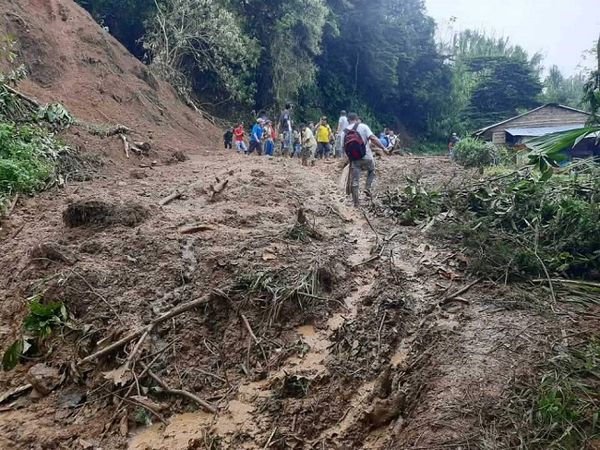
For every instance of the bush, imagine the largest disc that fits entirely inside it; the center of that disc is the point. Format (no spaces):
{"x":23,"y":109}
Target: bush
{"x":24,"y":166}
{"x":524,"y":225}
{"x":471,"y":152}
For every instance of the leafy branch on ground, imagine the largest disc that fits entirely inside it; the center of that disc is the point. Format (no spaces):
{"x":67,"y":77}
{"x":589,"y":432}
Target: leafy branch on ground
{"x":562,"y":410}
{"x":518,"y":224}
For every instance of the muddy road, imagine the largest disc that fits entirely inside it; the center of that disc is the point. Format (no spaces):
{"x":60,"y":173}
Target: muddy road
{"x":327,"y":327}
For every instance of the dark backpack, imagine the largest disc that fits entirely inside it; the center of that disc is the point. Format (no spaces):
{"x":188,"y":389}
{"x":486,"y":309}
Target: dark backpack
{"x":354,"y":146}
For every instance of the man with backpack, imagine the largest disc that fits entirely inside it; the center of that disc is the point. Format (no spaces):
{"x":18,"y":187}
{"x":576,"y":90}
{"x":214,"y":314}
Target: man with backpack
{"x":358,"y":139}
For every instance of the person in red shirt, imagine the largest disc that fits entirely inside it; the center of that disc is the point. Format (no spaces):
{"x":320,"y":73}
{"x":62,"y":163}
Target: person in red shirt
{"x":238,"y":135}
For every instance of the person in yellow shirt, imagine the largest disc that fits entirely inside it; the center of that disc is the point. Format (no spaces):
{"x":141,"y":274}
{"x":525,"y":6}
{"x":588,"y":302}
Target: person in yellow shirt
{"x":324,"y":138}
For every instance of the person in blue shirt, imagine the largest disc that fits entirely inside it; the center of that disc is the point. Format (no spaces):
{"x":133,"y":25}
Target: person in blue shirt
{"x":256,"y":137}
{"x":384,"y":139}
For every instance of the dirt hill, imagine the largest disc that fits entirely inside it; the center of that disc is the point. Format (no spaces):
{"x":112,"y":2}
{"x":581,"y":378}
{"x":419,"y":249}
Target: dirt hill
{"x":72,"y":60}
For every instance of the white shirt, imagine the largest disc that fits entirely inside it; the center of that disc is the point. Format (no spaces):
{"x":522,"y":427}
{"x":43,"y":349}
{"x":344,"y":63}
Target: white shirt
{"x":342,"y":123}
{"x":365,"y":133}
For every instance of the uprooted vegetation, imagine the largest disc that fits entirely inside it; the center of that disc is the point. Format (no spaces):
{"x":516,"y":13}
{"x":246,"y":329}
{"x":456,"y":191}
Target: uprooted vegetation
{"x":559,"y":409}
{"x":514,"y":224}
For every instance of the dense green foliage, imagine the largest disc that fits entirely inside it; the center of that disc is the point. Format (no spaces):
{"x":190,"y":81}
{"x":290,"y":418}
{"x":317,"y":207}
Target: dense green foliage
{"x":23,"y":163}
{"x":377,"y":57}
{"x":492,"y":80}
{"x":561,"y":90}
{"x":470,"y":152}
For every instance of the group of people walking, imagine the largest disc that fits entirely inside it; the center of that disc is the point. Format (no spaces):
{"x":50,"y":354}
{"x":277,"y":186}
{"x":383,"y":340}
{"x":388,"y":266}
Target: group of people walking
{"x":351,"y":139}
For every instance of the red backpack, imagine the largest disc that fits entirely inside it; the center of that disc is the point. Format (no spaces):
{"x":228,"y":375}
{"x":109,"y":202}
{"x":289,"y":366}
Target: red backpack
{"x":354,"y":146}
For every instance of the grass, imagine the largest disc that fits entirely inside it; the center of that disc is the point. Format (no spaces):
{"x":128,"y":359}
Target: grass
{"x":562,"y":411}
{"x":272,"y":290}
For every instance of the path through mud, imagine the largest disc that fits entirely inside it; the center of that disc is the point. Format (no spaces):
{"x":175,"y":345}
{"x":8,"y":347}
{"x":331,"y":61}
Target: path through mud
{"x":370,"y":358}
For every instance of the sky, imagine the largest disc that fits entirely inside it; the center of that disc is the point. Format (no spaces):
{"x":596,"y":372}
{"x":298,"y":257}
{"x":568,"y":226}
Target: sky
{"x":562,"y":30}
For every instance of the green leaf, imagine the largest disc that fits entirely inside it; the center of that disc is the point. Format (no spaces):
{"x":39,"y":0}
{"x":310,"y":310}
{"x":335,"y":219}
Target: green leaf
{"x":12,"y":355}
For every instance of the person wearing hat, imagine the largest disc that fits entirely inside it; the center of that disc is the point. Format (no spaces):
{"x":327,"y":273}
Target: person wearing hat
{"x":324,"y":137}
{"x":256,"y":137}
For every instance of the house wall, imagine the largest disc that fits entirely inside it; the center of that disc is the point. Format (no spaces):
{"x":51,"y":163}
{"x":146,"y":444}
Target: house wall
{"x":546,"y":117}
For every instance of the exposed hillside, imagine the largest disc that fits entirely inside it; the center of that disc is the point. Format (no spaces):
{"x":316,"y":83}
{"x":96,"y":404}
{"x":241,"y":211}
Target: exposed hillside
{"x":72,"y":60}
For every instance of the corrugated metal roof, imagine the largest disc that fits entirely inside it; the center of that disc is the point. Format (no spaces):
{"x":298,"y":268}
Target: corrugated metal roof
{"x":535,"y":132}
{"x":483,"y":130}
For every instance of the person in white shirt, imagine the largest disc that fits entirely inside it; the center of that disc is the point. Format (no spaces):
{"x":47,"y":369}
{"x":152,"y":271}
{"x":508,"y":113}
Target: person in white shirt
{"x":367,"y":162}
{"x":339,"y":135}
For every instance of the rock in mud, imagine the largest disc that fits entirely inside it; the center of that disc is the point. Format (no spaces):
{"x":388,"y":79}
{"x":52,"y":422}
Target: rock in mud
{"x":43,"y":378}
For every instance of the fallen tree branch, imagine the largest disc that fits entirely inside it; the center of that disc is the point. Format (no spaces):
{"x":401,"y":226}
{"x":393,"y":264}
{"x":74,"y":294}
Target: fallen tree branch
{"x":217,"y":188}
{"x":118,"y":129}
{"x":458,"y":293}
{"x":206,"y":405}
{"x":195,"y":229}
{"x":125,"y":144}
{"x":21,"y":96}
{"x":174,"y":196}
{"x":135,"y":334}
{"x":249,"y":328}
{"x":12,"y":206}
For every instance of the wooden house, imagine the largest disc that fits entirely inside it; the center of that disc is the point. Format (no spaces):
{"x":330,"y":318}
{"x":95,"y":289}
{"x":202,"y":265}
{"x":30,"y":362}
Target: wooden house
{"x":547,"y":119}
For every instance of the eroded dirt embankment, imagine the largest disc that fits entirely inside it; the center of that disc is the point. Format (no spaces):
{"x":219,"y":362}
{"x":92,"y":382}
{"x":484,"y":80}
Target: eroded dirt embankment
{"x":335,"y":334}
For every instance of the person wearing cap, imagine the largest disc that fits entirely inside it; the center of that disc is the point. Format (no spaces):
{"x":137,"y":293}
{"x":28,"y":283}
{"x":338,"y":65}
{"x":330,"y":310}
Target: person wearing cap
{"x":256,"y":137}
{"x":339,"y":140}
{"x":324,"y":137}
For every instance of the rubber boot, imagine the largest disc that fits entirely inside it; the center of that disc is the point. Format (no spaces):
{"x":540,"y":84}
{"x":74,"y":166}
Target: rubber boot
{"x":355,"y":196}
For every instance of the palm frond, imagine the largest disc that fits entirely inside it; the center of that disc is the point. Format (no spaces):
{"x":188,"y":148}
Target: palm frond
{"x":552,"y":144}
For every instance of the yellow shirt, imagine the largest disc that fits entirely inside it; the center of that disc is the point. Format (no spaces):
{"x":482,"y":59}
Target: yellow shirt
{"x":323,"y":133}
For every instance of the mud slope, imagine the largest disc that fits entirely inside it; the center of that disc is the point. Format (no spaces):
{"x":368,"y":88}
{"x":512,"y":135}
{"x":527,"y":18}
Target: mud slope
{"x":72,"y":60}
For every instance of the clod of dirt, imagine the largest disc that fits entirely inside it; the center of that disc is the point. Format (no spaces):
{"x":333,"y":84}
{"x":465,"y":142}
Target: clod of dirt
{"x":90,"y":213}
{"x":384,"y":411}
{"x":257,"y":173}
{"x":179,"y":156}
{"x":138,"y":174}
{"x":53,"y":252}
{"x":43,"y":378}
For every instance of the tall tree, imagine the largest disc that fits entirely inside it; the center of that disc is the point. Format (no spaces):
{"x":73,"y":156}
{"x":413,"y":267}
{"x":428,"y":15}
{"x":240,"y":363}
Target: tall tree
{"x":199,"y":44}
{"x":565,"y":91}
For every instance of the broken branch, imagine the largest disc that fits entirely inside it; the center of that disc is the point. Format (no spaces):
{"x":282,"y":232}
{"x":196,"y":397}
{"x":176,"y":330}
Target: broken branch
{"x":175,"y":195}
{"x":208,"y":406}
{"x":135,"y":334}
{"x":458,"y":293}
